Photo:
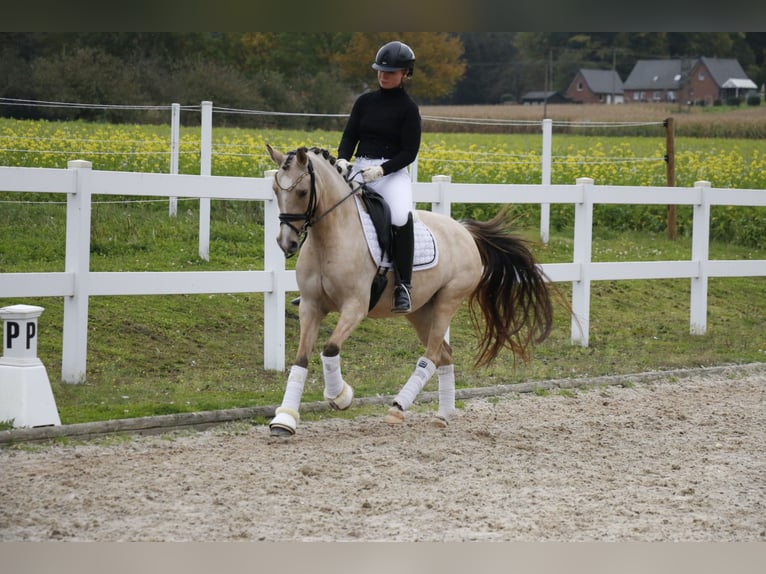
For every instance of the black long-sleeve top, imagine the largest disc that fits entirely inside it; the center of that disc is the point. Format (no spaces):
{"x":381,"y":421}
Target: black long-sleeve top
{"x":383,"y":124}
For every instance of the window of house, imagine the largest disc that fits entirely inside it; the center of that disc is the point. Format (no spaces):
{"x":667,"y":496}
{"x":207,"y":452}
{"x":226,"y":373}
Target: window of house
{"x":701,"y":76}
{"x":579,"y":86}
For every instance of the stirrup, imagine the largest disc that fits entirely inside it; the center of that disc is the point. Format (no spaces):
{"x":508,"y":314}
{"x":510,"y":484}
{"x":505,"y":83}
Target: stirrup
{"x":402,"y":302}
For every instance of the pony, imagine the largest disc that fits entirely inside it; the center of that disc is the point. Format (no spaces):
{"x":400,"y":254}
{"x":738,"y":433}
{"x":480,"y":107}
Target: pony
{"x":484,"y":262}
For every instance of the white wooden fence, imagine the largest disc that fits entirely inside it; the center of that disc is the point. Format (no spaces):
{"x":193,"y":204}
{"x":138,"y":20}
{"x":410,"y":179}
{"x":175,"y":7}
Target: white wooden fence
{"x":77,"y":283}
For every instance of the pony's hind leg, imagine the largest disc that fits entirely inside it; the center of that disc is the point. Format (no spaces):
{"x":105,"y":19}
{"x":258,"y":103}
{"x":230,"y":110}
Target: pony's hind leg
{"x":424,"y":370}
{"x":422,"y":320}
{"x":446,"y":375}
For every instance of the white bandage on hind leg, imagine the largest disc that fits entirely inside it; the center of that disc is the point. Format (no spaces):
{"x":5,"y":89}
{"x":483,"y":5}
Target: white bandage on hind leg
{"x":294,"y":389}
{"x":446,"y":374}
{"x":333,"y":380}
{"x":418,"y":379}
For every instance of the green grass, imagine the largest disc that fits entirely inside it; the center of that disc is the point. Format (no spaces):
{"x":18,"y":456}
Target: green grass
{"x":150,"y":355}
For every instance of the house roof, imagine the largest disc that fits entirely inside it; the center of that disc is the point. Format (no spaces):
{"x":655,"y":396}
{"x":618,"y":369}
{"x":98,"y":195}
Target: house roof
{"x":603,"y":81}
{"x":654,"y":75}
{"x":723,"y":70}
{"x":736,"y":83}
{"x":539,"y":95}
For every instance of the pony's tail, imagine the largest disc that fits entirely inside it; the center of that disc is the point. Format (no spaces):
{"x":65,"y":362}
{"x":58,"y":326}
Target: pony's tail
{"x":513,"y":295}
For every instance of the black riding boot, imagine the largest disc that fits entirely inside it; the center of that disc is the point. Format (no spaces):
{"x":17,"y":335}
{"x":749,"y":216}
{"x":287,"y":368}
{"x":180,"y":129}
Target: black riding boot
{"x":403,"y":251}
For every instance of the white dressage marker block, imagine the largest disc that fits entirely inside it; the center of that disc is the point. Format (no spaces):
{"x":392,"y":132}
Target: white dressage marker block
{"x":26,"y":397}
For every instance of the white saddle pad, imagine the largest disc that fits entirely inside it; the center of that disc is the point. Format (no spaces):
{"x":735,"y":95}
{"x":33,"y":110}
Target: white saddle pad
{"x":426,"y":252}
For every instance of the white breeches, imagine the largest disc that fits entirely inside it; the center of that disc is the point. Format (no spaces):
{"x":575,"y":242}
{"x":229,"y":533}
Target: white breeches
{"x":396,"y":188}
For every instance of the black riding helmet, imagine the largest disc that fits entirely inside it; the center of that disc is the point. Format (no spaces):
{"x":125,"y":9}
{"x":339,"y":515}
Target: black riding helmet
{"x":395,"y":56}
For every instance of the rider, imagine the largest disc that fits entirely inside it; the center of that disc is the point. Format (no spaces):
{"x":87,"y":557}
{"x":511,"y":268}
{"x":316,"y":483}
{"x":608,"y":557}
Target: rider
{"x":383,"y":132}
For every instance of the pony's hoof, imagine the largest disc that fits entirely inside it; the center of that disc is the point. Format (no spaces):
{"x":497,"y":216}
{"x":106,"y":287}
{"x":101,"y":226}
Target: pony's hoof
{"x":280,"y":432}
{"x":439,"y":422}
{"x":395,"y":416}
{"x":283,"y":424}
{"x":343,"y":400}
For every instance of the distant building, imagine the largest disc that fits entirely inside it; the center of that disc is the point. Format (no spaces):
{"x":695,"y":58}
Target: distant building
{"x":712,"y":79}
{"x":595,"y":87}
{"x":653,"y":81}
{"x":702,"y":81}
{"x":537,"y":98}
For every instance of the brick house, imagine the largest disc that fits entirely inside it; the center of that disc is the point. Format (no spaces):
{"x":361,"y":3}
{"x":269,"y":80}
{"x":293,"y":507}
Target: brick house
{"x":654,"y":81}
{"x":701,"y":81}
{"x":712,"y":79}
{"x":595,"y":87}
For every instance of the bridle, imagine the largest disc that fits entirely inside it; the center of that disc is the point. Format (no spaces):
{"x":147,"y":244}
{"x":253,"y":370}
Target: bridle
{"x":308,"y":216}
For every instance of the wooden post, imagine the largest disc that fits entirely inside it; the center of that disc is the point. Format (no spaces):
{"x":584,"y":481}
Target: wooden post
{"x":670,"y":160}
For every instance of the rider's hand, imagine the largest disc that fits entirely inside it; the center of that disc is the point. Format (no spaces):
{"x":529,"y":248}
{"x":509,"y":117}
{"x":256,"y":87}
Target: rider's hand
{"x":372,"y":173}
{"x":343,"y":167}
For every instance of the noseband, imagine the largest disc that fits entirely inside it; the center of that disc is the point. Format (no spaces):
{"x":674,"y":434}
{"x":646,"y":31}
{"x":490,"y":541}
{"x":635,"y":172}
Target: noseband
{"x":307,"y":216}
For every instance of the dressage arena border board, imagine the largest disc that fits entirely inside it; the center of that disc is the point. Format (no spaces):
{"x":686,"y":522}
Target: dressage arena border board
{"x":205,"y":419}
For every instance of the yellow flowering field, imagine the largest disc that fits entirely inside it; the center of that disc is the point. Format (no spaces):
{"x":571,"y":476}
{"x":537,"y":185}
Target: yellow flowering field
{"x":466,"y":157}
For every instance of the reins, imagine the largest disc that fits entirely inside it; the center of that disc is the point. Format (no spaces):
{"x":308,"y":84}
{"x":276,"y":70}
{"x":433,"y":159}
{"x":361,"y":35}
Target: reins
{"x":308,"y":216}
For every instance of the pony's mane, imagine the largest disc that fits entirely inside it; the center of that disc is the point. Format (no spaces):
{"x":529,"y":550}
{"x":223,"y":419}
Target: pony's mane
{"x":317,"y":151}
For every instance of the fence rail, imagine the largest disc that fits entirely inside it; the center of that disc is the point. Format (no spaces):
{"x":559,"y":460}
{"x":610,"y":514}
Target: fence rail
{"x":77,"y":283}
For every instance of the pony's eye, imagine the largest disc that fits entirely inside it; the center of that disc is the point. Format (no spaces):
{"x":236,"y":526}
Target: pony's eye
{"x":302,"y":193}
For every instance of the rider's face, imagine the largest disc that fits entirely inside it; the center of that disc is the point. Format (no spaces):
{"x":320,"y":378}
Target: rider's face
{"x":388,"y":80}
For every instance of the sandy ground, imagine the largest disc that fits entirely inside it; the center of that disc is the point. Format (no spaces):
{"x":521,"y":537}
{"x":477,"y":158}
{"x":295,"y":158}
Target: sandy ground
{"x":660,"y":461}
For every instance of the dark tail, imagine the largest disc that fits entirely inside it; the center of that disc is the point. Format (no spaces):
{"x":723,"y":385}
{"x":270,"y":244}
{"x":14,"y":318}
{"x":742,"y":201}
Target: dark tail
{"x":513,"y":295}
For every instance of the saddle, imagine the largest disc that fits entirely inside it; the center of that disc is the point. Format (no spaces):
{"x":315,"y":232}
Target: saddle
{"x":375,"y":216}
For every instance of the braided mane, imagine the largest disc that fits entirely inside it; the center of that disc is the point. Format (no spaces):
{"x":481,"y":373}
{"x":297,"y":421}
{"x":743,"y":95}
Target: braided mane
{"x":315,"y":150}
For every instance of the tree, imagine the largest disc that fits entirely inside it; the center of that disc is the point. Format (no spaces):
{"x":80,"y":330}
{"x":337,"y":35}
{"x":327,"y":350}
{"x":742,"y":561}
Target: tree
{"x":493,"y":72}
{"x":438,"y":66}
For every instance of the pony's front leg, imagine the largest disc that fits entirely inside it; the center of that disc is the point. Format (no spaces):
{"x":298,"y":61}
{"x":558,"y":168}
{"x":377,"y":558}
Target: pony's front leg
{"x":337,"y":391}
{"x":287,"y":416}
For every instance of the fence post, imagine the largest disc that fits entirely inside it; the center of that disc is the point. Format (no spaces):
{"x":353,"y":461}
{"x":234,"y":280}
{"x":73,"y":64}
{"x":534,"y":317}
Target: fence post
{"x":700,"y":254}
{"x":77,"y":262}
{"x":545,"y":208}
{"x":444,"y":206}
{"x":273,"y":301}
{"x":583,"y":244}
{"x":175,"y":120}
{"x":414,"y":170}
{"x":205,"y":164}
{"x":670,"y":173}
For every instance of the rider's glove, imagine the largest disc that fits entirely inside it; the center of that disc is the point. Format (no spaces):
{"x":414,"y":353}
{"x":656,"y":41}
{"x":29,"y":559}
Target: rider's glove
{"x":343,"y":167}
{"x":372,"y":173}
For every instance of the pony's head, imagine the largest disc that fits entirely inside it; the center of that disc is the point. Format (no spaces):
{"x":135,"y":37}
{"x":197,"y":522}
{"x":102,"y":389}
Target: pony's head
{"x":296,"y":185}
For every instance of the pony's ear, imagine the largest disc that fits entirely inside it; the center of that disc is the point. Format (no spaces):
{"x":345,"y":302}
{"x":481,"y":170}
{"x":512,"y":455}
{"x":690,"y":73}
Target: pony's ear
{"x":276,"y":156}
{"x":302,"y":157}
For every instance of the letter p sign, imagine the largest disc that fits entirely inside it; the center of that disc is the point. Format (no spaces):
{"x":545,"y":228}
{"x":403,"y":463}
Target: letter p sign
{"x":20,"y":332}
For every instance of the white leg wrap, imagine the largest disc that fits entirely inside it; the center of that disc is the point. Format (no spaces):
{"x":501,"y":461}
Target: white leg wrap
{"x":418,"y":379}
{"x":333,"y":380}
{"x":287,"y":416}
{"x":336,"y":390}
{"x":294,"y":389}
{"x":446,"y":374}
